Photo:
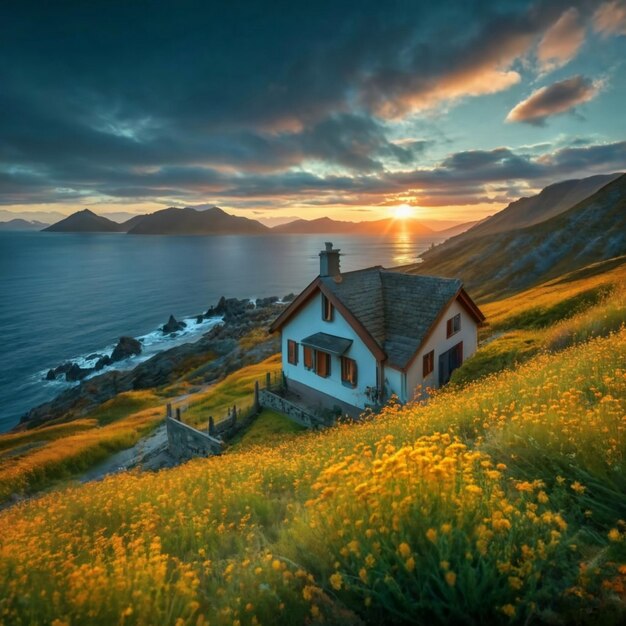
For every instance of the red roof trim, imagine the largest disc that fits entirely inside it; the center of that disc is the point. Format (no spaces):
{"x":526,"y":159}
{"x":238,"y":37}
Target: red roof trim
{"x":301,"y":299}
{"x":466,"y":302}
{"x":307,"y":294}
{"x":470,"y":306}
{"x":358,"y":328}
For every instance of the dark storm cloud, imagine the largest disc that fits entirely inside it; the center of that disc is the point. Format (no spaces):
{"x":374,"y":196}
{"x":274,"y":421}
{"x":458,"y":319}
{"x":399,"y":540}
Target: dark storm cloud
{"x":559,"y":97}
{"x":180,"y":100}
{"x":461,"y":178}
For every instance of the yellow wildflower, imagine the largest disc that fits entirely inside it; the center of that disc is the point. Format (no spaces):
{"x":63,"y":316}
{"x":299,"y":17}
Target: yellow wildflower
{"x":336,"y":581}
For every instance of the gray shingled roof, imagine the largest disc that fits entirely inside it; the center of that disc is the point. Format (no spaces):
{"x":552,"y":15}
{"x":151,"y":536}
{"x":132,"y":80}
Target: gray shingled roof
{"x":396,"y":309}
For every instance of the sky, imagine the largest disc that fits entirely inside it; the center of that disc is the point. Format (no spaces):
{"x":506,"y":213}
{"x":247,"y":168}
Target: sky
{"x":276,"y":110}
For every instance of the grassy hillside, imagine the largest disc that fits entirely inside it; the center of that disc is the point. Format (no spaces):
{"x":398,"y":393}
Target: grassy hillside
{"x":499,"y":502}
{"x":37,"y":458}
{"x":575,"y":307}
{"x":500,"y":264}
{"x":550,"y":202}
{"x":40,"y":457}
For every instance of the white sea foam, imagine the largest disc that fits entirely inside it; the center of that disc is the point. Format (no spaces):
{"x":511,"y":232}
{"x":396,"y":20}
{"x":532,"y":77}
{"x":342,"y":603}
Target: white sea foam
{"x":151,"y":344}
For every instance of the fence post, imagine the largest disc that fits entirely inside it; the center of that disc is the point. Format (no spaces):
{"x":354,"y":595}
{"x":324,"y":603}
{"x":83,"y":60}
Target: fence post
{"x":168,"y":410}
{"x":178,"y":414}
{"x":268,"y":380}
{"x":211,"y":426}
{"x":256,"y":407}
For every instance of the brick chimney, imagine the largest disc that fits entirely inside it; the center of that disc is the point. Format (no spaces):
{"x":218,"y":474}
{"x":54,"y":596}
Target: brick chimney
{"x":329,"y":261}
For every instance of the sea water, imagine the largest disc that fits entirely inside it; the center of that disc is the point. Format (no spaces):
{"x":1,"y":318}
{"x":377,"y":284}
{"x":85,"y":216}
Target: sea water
{"x":64,"y":296}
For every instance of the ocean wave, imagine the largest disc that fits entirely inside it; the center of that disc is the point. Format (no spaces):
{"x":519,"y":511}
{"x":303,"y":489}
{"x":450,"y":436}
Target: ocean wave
{"x":152,"y":343}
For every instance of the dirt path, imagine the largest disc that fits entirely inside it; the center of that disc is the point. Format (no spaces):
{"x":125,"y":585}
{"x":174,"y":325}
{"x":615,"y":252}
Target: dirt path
{"x":149,"y":453}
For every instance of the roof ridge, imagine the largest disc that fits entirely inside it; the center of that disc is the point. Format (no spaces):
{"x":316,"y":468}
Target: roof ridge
{"x":443,"y":278}
{"x":363,"y":269}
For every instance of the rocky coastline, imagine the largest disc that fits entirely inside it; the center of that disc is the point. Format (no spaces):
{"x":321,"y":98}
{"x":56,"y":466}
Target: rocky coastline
{"x":213,"y":356}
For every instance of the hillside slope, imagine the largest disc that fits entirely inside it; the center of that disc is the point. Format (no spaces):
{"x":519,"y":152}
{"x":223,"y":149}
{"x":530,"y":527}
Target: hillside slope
{"x":448,"y":512}
{"x":189,"y":221}
{"x":496,"y":264}
{"x":442,"y":512}
{"x":550,"y":202}
{"x":84,"y":221}
{"x":459,"y":229}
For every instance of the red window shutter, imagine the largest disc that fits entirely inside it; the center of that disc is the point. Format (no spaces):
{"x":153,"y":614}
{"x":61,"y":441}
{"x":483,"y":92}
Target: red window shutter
{"x":322,"y":363}
{"x":308,"y":357}
{"x":292,"y":352}
{"x":449,"y":327}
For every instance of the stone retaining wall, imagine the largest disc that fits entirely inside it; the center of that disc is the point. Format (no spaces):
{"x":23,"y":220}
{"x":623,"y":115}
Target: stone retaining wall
{"x":185,"y":442}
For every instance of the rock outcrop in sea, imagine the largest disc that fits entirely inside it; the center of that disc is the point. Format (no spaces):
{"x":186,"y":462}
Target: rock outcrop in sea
{"x":173,"y":326}
{"x":220,"y":346}
{"x":126,"y":347}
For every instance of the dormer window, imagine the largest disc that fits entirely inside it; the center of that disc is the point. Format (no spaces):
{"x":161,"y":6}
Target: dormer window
{"x":327,"y":309}
{"x":453,"y":325}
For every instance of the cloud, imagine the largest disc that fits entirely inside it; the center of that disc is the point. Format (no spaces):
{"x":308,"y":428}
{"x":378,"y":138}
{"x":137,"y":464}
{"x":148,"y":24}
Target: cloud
{"x":462,"y":178}
{"x":483,"y":62}
{"x":553,"y":99}
{"x":561,"y":42}
{"x":610,"y":19}
{"x":313,"y":104}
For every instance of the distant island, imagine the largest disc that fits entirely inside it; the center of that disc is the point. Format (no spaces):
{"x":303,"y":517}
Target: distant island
{"x":216,"y":221}
{"x":522,"y":213}
{"x":376,"y":227}
{"x":189,"y":221}
{"x":20,"y":224}
{"x":85,"y":221}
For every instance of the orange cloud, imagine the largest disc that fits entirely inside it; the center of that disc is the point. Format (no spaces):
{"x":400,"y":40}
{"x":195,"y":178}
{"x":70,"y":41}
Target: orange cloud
{"x":610,"y":19}
{"x":561,"y":42}
{"x":554,"y":99}
{"x":458,"y":85}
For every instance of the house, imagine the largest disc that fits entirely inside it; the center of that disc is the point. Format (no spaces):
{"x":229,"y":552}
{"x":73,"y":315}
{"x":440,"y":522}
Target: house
{"x":353,"y":339}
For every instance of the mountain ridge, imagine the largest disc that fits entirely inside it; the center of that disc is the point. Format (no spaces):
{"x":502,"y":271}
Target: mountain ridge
{"x":19,"y":224}
{"x":496,"y":264}
{"x":84,"y":221}
{"x":189,"y":221}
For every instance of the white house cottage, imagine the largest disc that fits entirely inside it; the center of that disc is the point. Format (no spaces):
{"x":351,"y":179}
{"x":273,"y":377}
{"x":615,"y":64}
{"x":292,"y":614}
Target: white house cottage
{"x":354,"y":339}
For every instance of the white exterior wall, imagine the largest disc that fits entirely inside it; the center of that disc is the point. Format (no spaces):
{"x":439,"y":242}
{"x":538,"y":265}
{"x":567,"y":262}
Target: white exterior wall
{"x":308,"y":321}
{"x":440,"y":344}
{"x":394,"y":381}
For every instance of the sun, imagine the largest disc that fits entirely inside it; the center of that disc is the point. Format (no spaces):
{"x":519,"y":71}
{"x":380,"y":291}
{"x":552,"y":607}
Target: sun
{"x":403,"y":211}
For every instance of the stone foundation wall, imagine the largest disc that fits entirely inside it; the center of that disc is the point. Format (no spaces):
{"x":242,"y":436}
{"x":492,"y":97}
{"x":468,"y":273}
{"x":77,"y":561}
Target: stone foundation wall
{"x":270,"y":400}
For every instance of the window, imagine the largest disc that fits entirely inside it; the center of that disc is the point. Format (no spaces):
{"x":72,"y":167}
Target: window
{"x":327,"y":309}
{"x":453,"y":325}
{"x":292,"y":352}
{"x":428,"y":363}
{"x":322,"y":364}
{"x":308,"y":357}
{"x":348,"y":371}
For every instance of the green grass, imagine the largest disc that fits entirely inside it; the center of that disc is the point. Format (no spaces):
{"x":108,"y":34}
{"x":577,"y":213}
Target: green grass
{"x":236,"y":389}
{"x":499,"y":500}
{"x":268,"y":429}
{"x":123,"y":405}
{"x":544,"y":316}
{"x":503,"y":352}
{"x":564,"y":311}
{"x":10,"y":441}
